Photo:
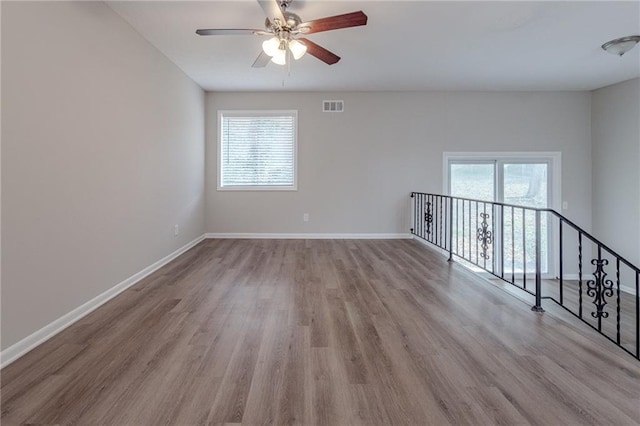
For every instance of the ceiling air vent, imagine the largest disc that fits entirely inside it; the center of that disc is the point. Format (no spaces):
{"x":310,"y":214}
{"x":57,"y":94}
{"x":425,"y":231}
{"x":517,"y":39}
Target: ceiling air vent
{"x":332,"y":106}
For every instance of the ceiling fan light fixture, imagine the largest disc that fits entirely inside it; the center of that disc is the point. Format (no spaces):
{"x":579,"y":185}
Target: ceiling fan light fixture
{"x":622,"y":45}
{"x":280,"y":57}
{"x":271,"y":46}
{"x":297,"y":49}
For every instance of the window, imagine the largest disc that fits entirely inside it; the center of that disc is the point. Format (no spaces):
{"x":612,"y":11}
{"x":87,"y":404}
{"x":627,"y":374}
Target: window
{"x":257,"y":150}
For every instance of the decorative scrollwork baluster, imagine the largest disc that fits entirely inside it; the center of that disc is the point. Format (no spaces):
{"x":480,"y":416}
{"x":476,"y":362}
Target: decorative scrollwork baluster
{"x":600,"y":288}
{"x":485,"y":235}
{"x":428,"y":217}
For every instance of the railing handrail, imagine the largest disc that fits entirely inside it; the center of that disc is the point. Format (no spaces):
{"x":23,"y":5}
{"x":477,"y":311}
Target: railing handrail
{"x":547,"y":210}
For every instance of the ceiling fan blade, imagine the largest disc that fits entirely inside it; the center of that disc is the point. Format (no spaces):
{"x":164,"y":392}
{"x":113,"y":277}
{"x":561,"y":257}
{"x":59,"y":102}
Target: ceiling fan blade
{"x":319,"y":52}
{"x":354,"y":19}
{"x":229,"y":31}
{"x":261,"y":61}
{"x":272,"y":10}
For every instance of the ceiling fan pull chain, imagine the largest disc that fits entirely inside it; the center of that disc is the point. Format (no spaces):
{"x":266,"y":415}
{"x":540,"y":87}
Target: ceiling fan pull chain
{"x":284,"y":75}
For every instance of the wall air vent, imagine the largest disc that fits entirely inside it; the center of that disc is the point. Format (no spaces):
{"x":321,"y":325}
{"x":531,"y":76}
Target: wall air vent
{"x":332,"y":106}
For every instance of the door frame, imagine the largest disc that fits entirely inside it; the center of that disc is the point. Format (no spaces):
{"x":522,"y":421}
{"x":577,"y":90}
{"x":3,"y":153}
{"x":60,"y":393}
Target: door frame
{"x":553,"y":158}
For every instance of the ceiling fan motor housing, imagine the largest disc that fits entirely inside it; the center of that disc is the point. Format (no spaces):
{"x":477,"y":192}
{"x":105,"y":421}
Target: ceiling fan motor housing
{"x":292,"y":21}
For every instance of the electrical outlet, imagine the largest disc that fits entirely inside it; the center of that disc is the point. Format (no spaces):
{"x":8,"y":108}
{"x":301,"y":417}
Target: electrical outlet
{"x":176,"y":230}
{"x":565,"y":205}
{"x":305,"y":217}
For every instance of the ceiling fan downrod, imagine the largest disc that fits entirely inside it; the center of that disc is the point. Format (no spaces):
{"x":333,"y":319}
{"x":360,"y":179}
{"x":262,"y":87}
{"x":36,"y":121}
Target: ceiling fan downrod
{"x":284,"y":4}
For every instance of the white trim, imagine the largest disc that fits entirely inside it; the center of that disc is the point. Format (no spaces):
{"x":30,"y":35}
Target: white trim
{"x":20,"y":348}
{"x":281,"y":236}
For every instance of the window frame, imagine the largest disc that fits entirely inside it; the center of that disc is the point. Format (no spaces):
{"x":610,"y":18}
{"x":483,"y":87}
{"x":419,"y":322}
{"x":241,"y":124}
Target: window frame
{"x":258,"y":113}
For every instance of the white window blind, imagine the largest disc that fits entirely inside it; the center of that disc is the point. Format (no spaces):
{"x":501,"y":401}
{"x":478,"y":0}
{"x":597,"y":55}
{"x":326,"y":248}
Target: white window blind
{"x":257,"y":149}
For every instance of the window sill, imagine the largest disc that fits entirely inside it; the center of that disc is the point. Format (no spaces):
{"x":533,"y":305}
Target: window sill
{"x":257,"y":188}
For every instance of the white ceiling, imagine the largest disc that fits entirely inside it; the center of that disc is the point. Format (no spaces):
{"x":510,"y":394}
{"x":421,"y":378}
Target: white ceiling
{"x":407,"y":45}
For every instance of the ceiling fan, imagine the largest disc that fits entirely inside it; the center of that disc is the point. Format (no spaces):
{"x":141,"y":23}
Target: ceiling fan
{"x":285,"y":29}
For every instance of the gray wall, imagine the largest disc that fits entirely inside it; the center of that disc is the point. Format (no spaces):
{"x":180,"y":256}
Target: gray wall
{"x":357,"y":168}
{"x":615,"y":127}
{"x":102,"y":153}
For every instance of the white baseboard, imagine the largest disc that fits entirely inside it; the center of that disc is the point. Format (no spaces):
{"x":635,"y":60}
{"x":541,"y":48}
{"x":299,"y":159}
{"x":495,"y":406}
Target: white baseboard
{"x":20,"y":348}
{"x":308,"y":236}
{"x":429,"y":245}
{"x":570,"y":277}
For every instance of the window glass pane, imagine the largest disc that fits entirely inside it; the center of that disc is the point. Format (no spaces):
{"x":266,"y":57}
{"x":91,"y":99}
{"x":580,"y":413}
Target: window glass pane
{"x":526,"y":184}
{"x":473,"y":180}
{"x":258,"y":149}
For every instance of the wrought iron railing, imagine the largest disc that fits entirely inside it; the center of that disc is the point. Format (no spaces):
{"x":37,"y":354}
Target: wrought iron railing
{"x":542,"y":253}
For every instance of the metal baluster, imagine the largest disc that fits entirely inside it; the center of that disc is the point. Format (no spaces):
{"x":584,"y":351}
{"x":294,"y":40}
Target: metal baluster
{"x":436,"y":221}
{"x":580,"y":274}
{"x":501,"y":241}
{"x":440,"y":220}
{"x":560,"y":263}
{"x":425,"y":198}
{"x":432,"y":217}
{"x":476,"y":216}
{"x":538,"y":306}
{"x":422,"y":228}
{"x":470,"y":233}
{"x":463,"y":233}
{"x":417,"y":209}
{"x":430,"y":223}
{"x":599,"y":295}
{"x":484,"y":210}
{"x":513,"y":247}
{"x":493,"y":246}
{"x":450,"y":229}
{"x":414,"y":214}
{"x":617,"y":300}
{"x":524,"y":249}
{"x":427,"y":223}
{"x":427,"y":210}
{"x":457,"y":220}
{"x":422,"y":216}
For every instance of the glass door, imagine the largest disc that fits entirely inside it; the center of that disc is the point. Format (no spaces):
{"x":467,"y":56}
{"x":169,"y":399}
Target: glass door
{"x":519,"y":181}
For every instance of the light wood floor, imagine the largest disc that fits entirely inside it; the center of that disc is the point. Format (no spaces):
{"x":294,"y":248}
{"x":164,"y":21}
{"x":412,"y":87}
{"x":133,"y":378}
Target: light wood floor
{"x":320,"y":332}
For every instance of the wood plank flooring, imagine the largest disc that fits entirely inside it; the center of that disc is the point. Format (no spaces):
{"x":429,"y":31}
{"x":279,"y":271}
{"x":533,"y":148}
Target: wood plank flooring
{"x":332,"y":332}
